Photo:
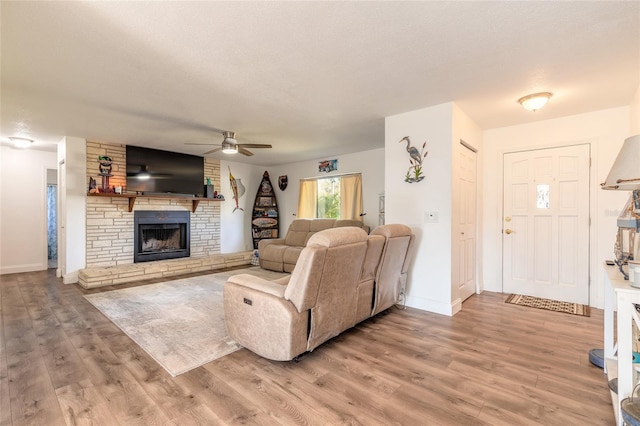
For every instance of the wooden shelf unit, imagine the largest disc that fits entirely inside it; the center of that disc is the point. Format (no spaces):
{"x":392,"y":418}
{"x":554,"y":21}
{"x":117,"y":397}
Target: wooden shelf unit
{"x":132,"y":198}
{"x":620,"y":299}
{"x":265,"y":223}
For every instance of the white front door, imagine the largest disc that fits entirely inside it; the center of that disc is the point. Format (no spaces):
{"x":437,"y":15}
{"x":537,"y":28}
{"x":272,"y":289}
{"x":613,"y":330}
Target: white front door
{"x":546,"y":223}
{"x":467,"y":242}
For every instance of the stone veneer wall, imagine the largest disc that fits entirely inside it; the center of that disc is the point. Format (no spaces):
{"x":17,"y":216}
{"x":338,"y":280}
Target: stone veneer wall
{"x":110,"y":225}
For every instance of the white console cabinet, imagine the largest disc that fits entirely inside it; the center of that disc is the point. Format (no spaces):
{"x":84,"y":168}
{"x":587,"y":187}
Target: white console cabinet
{"x":620,"y":298}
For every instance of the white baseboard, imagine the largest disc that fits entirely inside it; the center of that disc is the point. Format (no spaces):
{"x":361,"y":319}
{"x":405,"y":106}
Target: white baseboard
{"x":448,"y":309}
{"x":16,"y":269}
{"x":70,"y":278}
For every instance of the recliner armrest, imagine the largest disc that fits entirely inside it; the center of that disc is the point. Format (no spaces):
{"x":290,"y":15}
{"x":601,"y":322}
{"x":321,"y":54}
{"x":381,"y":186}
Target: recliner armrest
{"x":264,"y":243}
{"x":257,"y":283}
{"x":262,"y":322}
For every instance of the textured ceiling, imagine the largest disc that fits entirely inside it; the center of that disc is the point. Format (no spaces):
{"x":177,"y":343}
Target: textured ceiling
{"x":310,"y":78}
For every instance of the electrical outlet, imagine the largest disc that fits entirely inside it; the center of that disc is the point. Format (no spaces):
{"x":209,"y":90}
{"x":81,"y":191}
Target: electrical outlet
{"x":430,"y":217}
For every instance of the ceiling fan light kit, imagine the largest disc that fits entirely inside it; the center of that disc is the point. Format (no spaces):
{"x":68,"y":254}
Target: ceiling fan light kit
{"x":229,"y":148}
{"x":229,"y":137}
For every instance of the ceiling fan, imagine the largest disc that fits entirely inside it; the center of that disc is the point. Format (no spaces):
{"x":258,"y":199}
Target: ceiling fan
{"x":229,"y":145}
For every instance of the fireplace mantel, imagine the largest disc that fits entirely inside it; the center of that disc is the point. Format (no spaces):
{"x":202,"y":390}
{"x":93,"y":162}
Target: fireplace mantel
{"x":132,"y":198}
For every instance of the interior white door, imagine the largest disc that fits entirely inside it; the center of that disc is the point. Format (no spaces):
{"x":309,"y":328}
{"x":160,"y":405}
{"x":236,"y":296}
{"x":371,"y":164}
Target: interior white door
{"x":467,"y":226}
{"x":546,"y":223}
{"x":62,"y":220}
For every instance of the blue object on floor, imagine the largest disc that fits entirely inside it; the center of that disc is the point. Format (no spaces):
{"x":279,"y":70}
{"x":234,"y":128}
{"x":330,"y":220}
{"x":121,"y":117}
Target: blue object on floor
{"x":596,"y":357}
{"x":630,"y":410}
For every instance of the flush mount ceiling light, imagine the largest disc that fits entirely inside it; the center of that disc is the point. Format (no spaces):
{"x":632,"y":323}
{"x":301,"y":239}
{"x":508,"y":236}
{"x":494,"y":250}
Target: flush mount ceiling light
{"x":20,"y":142}
{"x":534,"y":101}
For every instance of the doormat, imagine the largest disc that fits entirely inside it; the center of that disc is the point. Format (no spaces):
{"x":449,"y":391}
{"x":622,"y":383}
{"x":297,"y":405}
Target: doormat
{"x":548,"y":304}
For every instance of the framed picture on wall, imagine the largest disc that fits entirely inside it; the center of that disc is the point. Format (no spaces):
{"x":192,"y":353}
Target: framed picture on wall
{"x":328,"y":166}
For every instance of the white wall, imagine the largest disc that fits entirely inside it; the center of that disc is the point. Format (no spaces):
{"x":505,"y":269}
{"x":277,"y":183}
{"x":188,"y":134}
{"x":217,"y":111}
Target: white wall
{"x":369,"y":163}
{"x":635,"y":112}
{"x":72,"y":197}
{"x":429,"y":279}
{"x":605,"y":131}
{"x":235,"y":226}
{"x":23,"y":209}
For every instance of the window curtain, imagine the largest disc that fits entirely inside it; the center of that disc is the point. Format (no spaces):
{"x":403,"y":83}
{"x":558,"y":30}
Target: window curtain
{"x":351,"y":197}
{"x":308,"y":199}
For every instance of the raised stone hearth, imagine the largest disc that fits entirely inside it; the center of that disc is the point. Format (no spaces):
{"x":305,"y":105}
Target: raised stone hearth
{"x":114,"y":275}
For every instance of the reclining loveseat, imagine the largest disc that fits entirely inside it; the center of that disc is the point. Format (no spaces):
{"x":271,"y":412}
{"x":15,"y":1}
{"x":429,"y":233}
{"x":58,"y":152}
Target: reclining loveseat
{"x":281,"y":254}
{"x":343,"y":276}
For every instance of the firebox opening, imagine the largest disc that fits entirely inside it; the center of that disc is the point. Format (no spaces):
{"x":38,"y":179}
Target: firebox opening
{"x":160,"y":235}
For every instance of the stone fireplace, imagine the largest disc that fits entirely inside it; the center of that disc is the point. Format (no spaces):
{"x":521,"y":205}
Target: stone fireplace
{"x":110,"y":230}
{"x":110,"y":220}
{"x":159,"y":235}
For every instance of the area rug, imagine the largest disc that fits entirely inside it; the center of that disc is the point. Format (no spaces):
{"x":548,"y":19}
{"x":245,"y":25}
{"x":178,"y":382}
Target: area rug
{"x":548,"y":304}
{"x":179,"y":323}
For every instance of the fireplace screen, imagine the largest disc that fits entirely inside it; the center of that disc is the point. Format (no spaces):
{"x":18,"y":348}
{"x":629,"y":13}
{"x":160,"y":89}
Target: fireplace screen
{"x":160,"y":235}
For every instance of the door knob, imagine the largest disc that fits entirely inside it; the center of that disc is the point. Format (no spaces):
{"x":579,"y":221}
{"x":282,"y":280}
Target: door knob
{"x":508,"y":231}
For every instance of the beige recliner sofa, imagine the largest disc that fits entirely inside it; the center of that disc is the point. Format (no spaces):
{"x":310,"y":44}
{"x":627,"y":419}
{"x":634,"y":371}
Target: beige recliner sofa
{"x":342,"y":277}
{"x":281,"y":254}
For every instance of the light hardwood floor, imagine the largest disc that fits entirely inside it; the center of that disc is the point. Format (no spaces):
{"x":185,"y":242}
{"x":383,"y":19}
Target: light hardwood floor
{"x":62,"y":362}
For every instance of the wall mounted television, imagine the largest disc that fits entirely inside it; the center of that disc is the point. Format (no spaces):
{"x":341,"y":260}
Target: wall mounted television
{"x":153,"y":171}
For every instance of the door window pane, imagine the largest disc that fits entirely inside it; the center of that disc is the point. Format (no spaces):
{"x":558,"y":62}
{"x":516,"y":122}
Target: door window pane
{"x":542,"y":199}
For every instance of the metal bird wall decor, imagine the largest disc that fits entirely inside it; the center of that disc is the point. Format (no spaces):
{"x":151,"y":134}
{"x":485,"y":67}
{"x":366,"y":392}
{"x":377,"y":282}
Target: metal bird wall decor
{"x":414,"y":173}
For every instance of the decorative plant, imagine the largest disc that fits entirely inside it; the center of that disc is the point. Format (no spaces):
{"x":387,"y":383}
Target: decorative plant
{"x":414,"y":174}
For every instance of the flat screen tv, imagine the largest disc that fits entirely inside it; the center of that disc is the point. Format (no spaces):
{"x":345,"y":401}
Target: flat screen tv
{"x":153,"y":171}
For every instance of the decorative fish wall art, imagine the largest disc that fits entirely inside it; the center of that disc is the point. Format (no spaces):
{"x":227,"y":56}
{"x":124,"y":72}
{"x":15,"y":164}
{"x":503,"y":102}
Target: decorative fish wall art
{"x":237,"y":188}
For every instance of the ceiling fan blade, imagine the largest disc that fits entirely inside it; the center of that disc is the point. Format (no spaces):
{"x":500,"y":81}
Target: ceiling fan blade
{"x":243,"y":151}
{"x":254,"y":145}
{"x":213,"y":150}
{"x":196,"y":143}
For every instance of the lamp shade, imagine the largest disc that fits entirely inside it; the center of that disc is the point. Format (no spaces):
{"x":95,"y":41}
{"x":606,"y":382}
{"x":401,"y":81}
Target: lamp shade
{"x":625,"y":173}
